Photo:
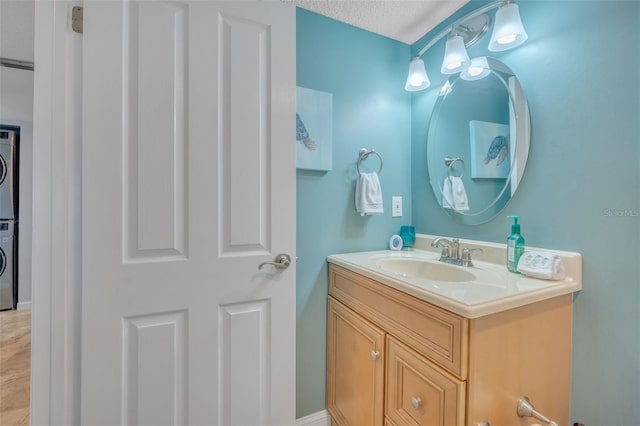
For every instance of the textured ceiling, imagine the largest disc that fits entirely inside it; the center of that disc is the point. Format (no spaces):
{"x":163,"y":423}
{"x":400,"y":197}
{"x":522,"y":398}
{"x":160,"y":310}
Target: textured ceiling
{"x":402,"y":20}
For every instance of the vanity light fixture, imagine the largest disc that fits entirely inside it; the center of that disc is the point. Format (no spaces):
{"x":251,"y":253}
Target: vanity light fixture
{"x":456,"y":57}
{"x":508,"y":32}
{"x":417,"y":78}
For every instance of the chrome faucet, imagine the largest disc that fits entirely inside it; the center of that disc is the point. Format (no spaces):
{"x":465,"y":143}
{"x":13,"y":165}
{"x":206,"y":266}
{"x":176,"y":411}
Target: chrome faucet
{"x":451,"y":252}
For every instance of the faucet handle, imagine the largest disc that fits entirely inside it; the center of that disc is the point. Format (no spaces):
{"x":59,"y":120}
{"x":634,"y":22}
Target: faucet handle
{"x":468,"y":250}
{"x":466,"y":256}
{"x":444,"y":254}
{"x":455,"y":248}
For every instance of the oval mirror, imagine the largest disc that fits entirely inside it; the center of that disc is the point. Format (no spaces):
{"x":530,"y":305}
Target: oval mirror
{"x":478,"y":141}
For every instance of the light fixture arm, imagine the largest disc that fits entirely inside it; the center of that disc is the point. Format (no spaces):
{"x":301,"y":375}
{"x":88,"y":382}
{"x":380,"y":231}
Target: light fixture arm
{"x":487,"y":7}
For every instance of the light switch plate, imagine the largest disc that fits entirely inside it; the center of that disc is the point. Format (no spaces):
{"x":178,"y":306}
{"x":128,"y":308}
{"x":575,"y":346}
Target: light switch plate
{"x":396,"y":206}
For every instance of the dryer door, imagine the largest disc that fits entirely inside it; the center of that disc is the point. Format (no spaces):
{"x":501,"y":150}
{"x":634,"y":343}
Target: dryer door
{"x":6,"y":265}
{"x":6,"y":282}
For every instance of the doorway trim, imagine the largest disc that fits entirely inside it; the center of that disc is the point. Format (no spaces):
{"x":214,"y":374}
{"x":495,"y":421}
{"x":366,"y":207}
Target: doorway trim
{"x":57,"y":165}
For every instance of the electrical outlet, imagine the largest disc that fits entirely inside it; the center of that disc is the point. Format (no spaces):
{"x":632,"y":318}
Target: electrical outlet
{"x":396,"y":206}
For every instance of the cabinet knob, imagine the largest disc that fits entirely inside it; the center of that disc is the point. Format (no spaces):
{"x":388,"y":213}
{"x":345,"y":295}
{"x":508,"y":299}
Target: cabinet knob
{"x":375,"y":355}
{"x":416,"y":402}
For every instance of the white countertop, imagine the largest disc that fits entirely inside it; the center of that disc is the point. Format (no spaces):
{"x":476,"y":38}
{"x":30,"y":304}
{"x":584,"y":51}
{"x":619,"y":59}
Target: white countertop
{"x":494,"y":288}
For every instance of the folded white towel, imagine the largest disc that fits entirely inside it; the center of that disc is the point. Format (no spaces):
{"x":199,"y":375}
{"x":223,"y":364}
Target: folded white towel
{"x":541,"y":264}
{"x":454,"y":196}
{"x":368,"y":194}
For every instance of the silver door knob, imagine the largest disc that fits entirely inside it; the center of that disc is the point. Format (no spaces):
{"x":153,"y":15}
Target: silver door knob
{"x":282,"y":261}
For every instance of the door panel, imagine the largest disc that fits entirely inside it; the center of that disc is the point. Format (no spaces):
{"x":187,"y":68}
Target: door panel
{"x":155,"y":85}
{"x":188,"y":114}
{"x":244,"y":44}
{"x":155,"y":369}
{"x":244,"y":357}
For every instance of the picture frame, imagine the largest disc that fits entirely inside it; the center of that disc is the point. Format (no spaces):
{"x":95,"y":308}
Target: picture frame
{"x":490,"y":150}
{"x":314,"y":130}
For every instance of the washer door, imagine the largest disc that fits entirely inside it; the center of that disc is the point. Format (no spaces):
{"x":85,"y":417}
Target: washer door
{"x":3,"y":262}
{"x":3,"y":169}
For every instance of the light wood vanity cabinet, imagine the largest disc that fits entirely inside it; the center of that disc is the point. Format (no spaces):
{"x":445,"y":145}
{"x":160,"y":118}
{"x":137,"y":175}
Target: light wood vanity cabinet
{"x":355,"y":368}
{"x":396,"y":360}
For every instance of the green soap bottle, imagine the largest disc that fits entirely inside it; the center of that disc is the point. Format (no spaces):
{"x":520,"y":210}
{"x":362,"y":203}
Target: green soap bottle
{"x":515,"y":245}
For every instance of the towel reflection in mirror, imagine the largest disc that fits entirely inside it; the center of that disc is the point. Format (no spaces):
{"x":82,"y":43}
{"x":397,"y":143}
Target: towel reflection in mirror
{"x":454,"y":196}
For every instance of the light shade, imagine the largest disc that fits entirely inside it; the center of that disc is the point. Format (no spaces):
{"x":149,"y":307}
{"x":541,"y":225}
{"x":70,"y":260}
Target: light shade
{"x":478,"y":69}
{"x":456,"y":57}
{"x":417,"y":78}
{"x":508,"y":31}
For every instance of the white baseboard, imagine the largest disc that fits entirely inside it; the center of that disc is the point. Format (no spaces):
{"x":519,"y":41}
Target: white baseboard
{"x":321,"y":418}
{"x":24,"y":305}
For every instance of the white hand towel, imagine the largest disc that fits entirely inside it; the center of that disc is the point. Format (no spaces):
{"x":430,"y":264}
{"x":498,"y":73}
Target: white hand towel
{"x":543,"y":265}
{"x":368,"y":194}
{"x":454,"y":196}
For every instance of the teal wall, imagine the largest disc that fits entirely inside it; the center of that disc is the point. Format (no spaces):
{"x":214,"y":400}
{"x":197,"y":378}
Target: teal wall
{"x":580,"y":192}
{"x":365,"y":73}
{"x":581,"y":189}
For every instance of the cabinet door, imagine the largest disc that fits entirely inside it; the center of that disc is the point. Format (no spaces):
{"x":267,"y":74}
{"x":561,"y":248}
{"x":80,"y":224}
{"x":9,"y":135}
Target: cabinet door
{"x":355,"y":368}
{"x":419,"y":392}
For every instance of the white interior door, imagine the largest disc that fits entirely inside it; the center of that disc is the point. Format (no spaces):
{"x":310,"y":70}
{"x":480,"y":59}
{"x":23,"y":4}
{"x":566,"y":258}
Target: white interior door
{"x":188,"y":185}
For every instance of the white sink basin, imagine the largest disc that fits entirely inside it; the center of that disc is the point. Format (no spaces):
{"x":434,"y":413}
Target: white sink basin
{"x":425,"y":269}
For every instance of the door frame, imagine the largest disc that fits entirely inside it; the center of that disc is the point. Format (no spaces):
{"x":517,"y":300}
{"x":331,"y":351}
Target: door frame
{"x":57,"y":221}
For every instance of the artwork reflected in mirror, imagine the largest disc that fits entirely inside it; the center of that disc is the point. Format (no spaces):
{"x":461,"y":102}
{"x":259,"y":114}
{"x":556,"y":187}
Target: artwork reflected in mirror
{"x":489,"y":150}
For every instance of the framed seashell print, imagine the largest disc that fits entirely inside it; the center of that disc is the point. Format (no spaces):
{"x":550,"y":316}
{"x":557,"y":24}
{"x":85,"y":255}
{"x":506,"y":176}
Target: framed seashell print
{"x":314,"y":116}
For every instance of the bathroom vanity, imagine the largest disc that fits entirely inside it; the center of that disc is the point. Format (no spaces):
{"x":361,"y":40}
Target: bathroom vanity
{"x":413,"y":341}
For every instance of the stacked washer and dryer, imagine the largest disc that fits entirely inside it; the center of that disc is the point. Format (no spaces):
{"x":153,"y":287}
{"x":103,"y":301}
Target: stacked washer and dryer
{"x":8,"y":219}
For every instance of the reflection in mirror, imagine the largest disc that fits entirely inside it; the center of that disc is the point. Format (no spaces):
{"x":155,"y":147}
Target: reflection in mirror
{"x":478,"y":141}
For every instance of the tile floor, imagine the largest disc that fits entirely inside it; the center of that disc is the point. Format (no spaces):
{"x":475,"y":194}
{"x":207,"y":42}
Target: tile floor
{"x":15,"y":363}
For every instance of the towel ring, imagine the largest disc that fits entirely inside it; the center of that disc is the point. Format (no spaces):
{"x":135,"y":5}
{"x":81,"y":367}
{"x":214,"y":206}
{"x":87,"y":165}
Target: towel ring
{"x":449,"y":161}
{"x":364,"y":153}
